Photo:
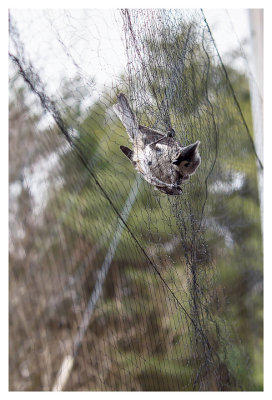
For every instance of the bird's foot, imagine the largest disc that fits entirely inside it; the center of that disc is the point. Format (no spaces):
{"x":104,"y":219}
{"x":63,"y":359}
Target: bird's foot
{"x":171,"y":133}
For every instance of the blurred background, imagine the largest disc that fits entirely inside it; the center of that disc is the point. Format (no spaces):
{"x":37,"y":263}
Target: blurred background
{"x":113,"y":285}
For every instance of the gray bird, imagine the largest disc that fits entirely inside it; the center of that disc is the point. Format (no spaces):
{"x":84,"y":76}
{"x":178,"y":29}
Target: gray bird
{"x":160,"y":158}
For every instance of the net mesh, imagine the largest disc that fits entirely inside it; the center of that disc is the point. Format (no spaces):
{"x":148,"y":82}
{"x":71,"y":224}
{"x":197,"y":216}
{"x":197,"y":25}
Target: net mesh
{"x":114,"y":285}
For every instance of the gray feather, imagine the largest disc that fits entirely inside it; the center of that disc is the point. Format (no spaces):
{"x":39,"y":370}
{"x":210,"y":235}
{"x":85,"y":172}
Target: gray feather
{"x":127,"y":116}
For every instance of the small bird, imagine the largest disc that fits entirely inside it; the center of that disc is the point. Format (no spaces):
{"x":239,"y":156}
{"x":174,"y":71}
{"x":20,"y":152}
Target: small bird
{"x":158,"y":156}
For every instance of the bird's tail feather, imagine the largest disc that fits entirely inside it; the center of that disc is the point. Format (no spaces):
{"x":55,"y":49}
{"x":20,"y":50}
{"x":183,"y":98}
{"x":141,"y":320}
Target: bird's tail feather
{"x":127,"y":116}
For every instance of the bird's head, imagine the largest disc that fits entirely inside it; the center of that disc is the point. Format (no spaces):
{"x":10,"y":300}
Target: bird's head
{"x":187,"y":161}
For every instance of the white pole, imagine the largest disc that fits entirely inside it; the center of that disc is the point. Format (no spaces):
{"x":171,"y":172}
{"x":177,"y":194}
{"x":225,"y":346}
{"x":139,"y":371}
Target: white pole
{"x":68,"y":361}
{"x":256,"y":89}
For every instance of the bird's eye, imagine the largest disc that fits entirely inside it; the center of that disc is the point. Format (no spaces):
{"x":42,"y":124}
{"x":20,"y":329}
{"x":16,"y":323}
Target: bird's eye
{"x":186,"y":164}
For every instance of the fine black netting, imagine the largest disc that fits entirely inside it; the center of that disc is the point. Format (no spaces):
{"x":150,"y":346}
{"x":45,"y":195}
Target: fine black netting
{"x":113,"y":284}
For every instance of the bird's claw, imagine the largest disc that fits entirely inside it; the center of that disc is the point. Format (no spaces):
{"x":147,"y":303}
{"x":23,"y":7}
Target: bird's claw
{"x":171,"y":133}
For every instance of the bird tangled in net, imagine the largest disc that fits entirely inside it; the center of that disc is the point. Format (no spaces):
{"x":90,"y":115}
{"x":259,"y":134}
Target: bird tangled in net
{"x":158,"y":157}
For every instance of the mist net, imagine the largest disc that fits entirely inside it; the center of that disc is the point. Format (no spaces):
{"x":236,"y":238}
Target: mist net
{"x":115,"y":286}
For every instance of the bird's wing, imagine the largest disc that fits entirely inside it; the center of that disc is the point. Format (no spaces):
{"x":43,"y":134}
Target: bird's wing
{"x":150,"y":135}
{"x":170,"y":191}
{"x":164,"y":187}
{"x":128,"y":152}
{"x":127,"y":116}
